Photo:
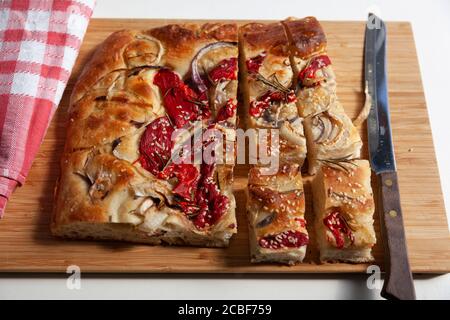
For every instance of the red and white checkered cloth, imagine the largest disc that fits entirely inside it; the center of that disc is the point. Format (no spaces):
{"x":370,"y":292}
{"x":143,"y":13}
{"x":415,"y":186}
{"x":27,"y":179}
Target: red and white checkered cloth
{"x":39,"y":42}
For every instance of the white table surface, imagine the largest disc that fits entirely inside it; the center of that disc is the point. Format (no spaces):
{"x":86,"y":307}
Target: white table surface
{"x":431,"y":26}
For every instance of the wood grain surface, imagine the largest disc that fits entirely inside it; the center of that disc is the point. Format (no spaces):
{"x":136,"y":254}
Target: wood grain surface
{"x":26,"y":244}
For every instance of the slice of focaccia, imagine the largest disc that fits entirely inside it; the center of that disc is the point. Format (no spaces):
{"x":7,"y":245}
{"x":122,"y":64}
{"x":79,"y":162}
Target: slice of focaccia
{"x":125,"y":174}
{"x":276,"y":207}
{"x":330,"y":134}
{"x":344,"y":207}
{"x":275,"y":204}
{"x":267,"y":85}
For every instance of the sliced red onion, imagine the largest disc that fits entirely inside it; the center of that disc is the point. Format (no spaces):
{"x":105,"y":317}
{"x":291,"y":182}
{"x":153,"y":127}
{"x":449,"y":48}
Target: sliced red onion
{"x":195,"y":73}
{"x":265,"y":219}
{"x":330,"y":129}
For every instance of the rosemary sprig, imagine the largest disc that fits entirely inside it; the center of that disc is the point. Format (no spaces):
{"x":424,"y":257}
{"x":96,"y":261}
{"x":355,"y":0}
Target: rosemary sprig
{"x":272,"y":82}
{"x":168,"y":91}
{"x":278,"y":83}
{"x":340,"y":163}
{"x":341,"y":195}
{"x":196,"y":102}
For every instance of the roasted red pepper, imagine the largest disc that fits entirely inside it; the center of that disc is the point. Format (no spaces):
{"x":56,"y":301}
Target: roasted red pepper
{"x":339,"y":228}
{"x":187,"y":176}
{"x":253,"y":64}
{"x":309,"y":72}
{"x":258,"y":106}
{"x":286,"y":239}
{"x":156,"y":145}
{"x":212,"y":204}
{"x":181,"y":102}
{"x":227,"y":111}
{"x":200,"y":198}
{"x":155,"y":148}
{"x":225,"y":70}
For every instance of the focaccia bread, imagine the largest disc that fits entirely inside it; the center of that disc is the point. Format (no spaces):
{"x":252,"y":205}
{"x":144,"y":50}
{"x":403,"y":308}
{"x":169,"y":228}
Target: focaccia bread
{"x":124,"y":174}
{"x":344,"y":207}
{"x":276,"y":208}
{"x":267,"y":87}
{"x":330,"y":134}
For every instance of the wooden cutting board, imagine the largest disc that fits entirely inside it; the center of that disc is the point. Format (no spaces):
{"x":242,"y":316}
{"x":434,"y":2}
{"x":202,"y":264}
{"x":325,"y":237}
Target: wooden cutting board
{"x":26,"y":244}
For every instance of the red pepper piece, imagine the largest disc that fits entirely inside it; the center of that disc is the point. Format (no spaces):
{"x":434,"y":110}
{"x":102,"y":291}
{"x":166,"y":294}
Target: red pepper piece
{"x":258,"y":106}
{"x":212,"y":203}
{"x":339,"y":228}
{"x":253,"y":64}
{"x":286,"y":239}
{"x":187,"y":176}
{"x":315,"y":64}
{"x":180,"y":101}
{"x":156,"y":145}
{"x":225,"y":70}
{"x":204,"y":107}
{"x":227,"y":111}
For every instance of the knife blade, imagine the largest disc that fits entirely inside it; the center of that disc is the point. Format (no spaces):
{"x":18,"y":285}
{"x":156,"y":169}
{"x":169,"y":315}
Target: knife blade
{"x":398,"y":283}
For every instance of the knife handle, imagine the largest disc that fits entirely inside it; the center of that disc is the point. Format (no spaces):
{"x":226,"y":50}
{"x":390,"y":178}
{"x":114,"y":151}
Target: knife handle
{"x":398,"y":282}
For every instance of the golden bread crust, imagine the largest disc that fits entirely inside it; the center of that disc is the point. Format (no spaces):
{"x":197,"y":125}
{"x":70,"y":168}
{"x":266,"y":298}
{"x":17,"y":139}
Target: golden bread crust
{"x":107,"y":57}
{"x":269,"y":37}
{"x":183,"y":41}
{"x":306,"y":35}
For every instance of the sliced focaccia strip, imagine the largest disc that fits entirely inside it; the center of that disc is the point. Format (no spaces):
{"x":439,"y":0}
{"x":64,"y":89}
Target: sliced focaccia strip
{"x":276,"y":207}
{"x":344,"y":207}
{"x":267,"y":87}
{"x":329,"y":131}
{"x":119,"y":178}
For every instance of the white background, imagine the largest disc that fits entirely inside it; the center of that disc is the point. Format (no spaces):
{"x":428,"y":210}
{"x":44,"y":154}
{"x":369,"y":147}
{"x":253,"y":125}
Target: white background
{"x":431,"y":26}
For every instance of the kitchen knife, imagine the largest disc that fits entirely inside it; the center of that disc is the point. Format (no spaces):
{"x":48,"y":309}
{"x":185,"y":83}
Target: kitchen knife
{"x":398,"y":283}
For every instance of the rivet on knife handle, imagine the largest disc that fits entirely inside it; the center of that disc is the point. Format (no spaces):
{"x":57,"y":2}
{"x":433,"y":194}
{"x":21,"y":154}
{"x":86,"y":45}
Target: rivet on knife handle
{"x":398,"y":283}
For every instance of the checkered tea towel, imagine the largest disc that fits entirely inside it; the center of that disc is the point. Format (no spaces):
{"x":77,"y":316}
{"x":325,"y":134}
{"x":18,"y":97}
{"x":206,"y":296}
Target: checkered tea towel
{"x":39,"y":42}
